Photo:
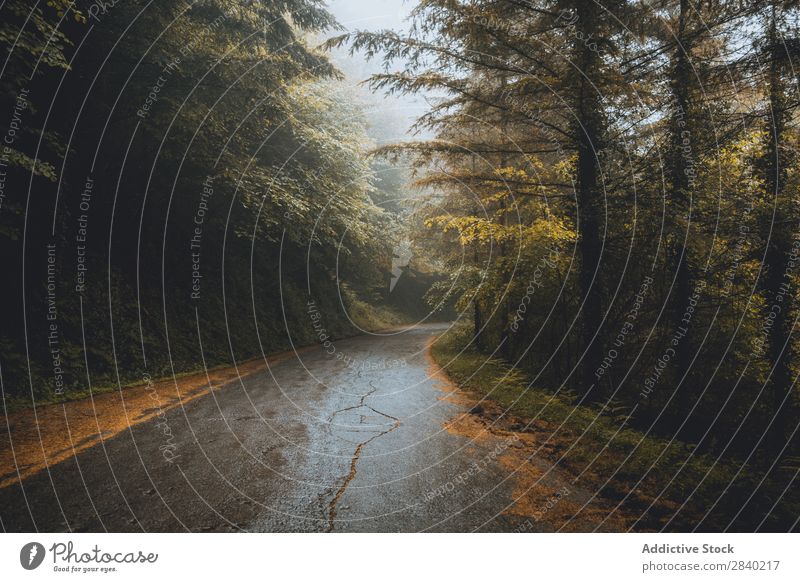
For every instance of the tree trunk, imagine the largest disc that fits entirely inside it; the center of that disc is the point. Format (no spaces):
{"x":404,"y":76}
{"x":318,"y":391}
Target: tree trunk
{"x":588,"y":133}
{"x":681,"y":162}
{"x":776,"y":285}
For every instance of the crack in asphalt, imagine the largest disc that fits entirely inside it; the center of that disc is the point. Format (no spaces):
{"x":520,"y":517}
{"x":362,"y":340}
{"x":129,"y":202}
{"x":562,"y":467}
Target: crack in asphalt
{"x":332,"y":506}
{"x":359,"y":405}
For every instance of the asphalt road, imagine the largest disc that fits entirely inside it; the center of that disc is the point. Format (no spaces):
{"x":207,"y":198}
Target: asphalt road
{"x":370,"y":438}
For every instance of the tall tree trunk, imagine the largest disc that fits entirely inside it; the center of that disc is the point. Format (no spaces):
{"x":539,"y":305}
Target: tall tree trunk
{"x":477,"y":322}
{"x":505,"y":337}
{"x":681,"y":159}
{"x":477,"y":319}
{"x":776,"y":284}
{"x":589,"y":133}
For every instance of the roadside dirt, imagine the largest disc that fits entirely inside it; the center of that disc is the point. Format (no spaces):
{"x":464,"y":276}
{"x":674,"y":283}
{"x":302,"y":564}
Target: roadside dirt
{"x":546,"y":497}
{"x":35,"y":439}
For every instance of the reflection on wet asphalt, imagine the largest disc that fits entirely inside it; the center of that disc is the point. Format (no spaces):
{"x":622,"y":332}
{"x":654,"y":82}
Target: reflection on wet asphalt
{"x":361,"y":440}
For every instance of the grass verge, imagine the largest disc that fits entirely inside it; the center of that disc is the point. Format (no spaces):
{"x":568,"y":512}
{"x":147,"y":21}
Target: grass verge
{"x":659,"y":484}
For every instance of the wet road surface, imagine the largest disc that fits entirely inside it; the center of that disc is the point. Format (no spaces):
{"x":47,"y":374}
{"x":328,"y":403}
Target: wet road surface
{"x":369,"y":438}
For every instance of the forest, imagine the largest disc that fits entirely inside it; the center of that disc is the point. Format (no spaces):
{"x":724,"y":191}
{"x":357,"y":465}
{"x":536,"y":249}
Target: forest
{"x":614,"y":192}
{"x":139,"y":199}
{"x":601,"y":195}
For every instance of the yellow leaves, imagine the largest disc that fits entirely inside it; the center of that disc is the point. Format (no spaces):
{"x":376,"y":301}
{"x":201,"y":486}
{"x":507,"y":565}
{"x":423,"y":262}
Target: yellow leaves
{"x":566,"y":167}
{"x":61,"y":7}
{"x":512,"y":174}
{"x":548,"y":229}
{"x":554,"y":229}
{"x":469,"y":228}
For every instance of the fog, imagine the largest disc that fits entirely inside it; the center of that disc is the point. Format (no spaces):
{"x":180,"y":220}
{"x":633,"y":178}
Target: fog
{"x":390,"y":117}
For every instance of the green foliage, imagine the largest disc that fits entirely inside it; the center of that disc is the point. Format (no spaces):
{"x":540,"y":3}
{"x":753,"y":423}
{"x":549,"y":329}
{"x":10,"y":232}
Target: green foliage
{"x":231,"y":186}
{"x":611,"y":186}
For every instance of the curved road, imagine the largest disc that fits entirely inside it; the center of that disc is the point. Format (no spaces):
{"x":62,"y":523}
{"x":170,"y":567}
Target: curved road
{"x":371,"y":438}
